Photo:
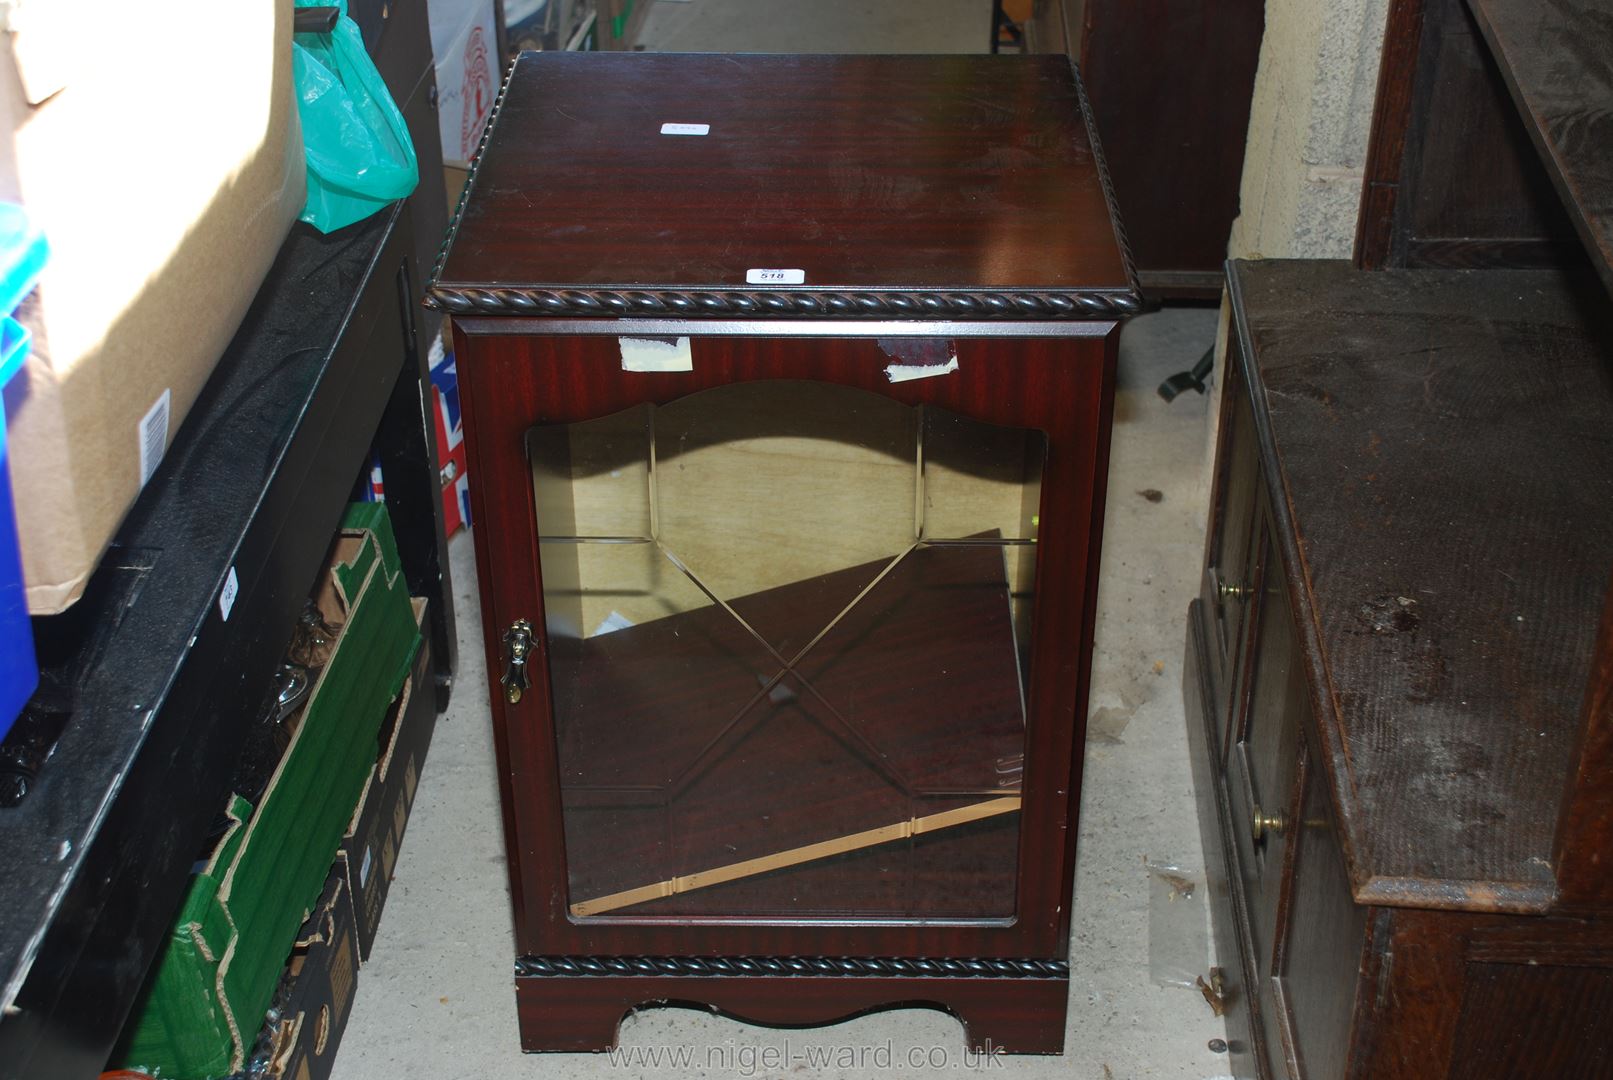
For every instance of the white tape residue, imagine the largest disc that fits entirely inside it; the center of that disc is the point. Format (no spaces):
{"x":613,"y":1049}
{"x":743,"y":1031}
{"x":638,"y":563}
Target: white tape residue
{"x":775,"y":277}
{"x":656,"y":354}
{"x":908,"y":372}
{"x":686,"y":129}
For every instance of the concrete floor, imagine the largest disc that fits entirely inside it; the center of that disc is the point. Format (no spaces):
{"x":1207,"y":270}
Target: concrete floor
{"x":436,"y":998}
{"x":821,"y":26}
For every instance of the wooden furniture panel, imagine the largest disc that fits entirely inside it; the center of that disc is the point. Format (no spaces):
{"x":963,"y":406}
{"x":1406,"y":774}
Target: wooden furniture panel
{"x":1451,"y":179}
{"x":1170,"y":84}
{"x":797,"y":171}
{"x":1554,"y":60}
{"x":1566,"y":1036}
{"x":795,"y":730}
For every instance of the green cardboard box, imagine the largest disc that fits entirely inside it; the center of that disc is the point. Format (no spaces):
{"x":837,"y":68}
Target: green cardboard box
{"x":216,"y":977}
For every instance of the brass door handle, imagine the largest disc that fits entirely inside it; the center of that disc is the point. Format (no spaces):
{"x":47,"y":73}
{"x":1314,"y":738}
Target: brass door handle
{"x":517,"y":649}
{"x":1268,"y":823}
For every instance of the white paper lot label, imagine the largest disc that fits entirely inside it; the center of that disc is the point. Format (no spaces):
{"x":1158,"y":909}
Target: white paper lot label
{"x":226,"y":595}
{"x":775,"y":277}
{"x":686,"y":129}
{"x":153,"y":436}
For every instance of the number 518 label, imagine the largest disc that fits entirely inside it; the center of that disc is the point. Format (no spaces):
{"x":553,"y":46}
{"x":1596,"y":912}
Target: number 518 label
{"x":775,"y":277}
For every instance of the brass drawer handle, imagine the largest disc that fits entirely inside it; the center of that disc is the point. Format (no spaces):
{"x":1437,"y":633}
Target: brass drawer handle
{"x":1268,"y":823}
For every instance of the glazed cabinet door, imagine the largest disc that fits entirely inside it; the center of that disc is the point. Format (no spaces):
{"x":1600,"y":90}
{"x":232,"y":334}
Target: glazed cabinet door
{"x":1315,"y":972}
{"x":1262,"y":772}
{"x":1231,"y":560}
{"x":1263,"y":764}
{"x":773,"y":640}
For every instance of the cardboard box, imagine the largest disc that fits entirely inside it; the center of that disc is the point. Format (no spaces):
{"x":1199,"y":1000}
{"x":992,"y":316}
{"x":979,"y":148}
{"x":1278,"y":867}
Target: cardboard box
{"x":464,"y":39}
{"x":216,"y":978}
{"x":164,"y":162}
{"x":315,"y":995}
{"x":375,"y":833}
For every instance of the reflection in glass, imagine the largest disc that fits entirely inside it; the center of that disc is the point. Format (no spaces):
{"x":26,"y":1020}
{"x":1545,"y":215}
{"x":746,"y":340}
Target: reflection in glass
{"x":788,"y":630}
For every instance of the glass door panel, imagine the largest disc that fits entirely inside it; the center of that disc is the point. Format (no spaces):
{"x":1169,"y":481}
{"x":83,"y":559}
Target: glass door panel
{"x":788,"y":631}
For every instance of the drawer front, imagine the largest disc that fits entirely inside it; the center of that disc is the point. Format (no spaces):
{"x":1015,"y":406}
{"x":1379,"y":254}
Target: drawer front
{"x":1324,"y":931}
{"x":1262,"y":767}
{"x":1231,"y":560}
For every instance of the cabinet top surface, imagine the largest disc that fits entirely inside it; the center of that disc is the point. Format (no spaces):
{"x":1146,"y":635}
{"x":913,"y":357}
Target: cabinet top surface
{"x":885,"y":186}
{"x":1438,"y":452}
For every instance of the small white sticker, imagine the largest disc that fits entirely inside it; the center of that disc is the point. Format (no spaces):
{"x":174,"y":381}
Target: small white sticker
{"x":908,"y":372}
{"x":153,"y":436}
{"x":656,"y":354}
{"x":775,"y":277}
{"x":226,"y":595}
{"x":686,"y":129}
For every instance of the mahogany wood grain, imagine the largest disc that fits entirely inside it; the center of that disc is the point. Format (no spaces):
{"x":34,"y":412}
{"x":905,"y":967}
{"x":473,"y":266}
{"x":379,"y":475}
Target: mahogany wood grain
{"x":1555,"y":59}
{"x":1170,"y":84}
{"x":863,"y":172}
{"x":1015,"y":1016}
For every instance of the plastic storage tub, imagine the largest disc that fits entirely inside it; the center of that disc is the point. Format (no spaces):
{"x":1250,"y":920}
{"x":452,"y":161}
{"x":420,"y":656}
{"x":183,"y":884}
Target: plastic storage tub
{"x":22,"y":256}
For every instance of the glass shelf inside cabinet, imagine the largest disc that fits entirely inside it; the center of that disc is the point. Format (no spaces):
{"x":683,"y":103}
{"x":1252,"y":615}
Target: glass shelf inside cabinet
{"x":788,"y":629}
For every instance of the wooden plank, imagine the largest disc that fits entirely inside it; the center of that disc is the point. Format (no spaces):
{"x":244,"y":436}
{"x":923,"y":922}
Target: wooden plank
{"x":701,"y":879}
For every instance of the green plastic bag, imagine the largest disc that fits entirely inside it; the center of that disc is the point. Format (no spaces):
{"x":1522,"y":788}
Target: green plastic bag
{"x":360,"y":156}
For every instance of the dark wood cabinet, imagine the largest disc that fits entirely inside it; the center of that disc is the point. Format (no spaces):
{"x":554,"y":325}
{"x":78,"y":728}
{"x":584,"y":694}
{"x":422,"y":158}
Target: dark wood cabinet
{"x":1171,"y":83}
{"x":1403,"y":752}
{"x":788,"y":399}
{"x":1405,"y":875}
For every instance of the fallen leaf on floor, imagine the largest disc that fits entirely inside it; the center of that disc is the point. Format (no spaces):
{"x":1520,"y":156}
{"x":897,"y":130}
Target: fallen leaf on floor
{"x":1159,"y":667}
{"x":1108,"y":1073}
{"x":1218,"y":1004}
{"x":1153,"y":495}
{"x":442,"y":1001}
